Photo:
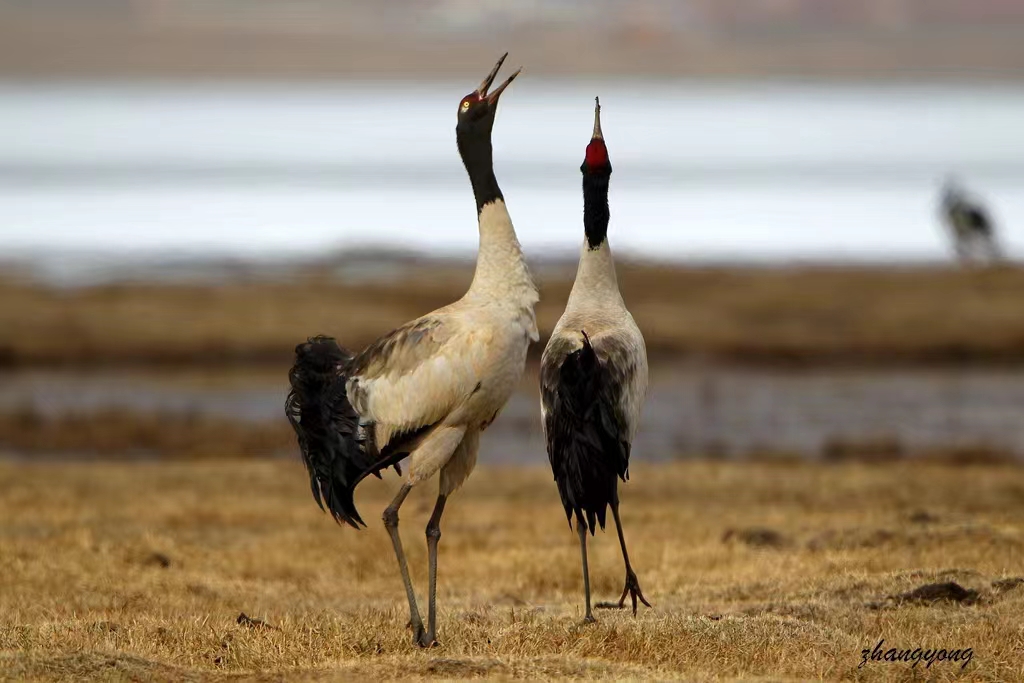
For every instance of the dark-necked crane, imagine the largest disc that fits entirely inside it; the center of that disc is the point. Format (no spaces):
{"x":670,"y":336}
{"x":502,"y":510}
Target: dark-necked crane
{"x":593,"y":378}
{"x":427,"y":389}
{"x":969,"y":224}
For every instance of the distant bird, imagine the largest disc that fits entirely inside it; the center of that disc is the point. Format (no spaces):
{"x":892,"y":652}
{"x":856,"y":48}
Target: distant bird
{"x":970,"y":225}
{"x":426,"y":390}
{"x":593,"y":378}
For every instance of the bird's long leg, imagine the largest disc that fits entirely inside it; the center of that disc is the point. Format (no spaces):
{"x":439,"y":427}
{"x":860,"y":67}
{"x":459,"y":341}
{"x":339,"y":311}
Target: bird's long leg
{"x":632,"y":585}
{"x":582,"y":528}
{"x":391,"y":523}
{"x":433,"y":536}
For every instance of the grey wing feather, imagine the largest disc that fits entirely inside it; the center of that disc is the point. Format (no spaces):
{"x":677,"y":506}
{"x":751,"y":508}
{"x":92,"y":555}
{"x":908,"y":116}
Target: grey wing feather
{"x":624,"y":358}
{"x":415,"y":376}
{"x":401,"y":350}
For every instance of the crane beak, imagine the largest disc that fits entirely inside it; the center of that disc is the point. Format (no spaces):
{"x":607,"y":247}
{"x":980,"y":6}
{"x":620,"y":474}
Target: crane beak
{"x":492,"y":98}
{"x":597,"y":120}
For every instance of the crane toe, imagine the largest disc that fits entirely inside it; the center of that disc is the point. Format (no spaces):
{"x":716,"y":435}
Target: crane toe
{"x":426,"y":641}
{"x":632,"y":588}
{"x":419,"y":633}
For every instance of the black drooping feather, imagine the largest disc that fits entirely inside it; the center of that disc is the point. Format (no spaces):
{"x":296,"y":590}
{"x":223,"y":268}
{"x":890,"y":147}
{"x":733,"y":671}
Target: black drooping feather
{"x":973,"y":219}
{"x":338,"y":453}
{"x":966,"y":215}
{"x":587,"y":435}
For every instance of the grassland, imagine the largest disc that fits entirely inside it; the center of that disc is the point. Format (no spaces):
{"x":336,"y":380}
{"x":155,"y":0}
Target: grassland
{"x":878,"y":315}
{"x":117,"y":571}
{"x":119,"y":434}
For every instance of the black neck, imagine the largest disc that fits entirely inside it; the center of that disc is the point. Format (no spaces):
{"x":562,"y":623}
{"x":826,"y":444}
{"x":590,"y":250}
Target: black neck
{"x":595,"y":206}
{"x":475,"y":151}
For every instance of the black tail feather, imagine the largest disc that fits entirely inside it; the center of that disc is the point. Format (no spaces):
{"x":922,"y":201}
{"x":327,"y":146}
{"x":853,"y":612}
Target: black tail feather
{"x":327,"y":427}
{"x":589,"y":452}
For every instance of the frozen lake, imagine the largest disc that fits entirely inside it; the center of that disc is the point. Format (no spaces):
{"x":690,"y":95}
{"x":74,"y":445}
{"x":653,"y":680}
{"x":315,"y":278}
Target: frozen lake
{"x":750,"y":171}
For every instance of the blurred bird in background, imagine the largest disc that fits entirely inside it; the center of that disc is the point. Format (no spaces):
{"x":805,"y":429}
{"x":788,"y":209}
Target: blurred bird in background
{"x":970,"y":225}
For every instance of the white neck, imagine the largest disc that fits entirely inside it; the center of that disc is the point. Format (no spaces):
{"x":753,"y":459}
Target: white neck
{"x":596,"y":284}
{"x":501,"y":270}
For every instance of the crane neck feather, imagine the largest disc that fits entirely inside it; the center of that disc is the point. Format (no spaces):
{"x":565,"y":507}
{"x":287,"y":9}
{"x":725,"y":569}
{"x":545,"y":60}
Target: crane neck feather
{"x":596,"y":213}
{"x":596,"y":283}
{"x":477,"y":157}
{"x":501,"y":269}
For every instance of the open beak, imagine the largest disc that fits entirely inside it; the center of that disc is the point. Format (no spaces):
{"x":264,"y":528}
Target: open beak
{"x":597,"y":120}
{"x":492,"y":98}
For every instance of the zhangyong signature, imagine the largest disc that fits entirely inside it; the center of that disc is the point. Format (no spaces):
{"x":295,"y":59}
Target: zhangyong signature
{"x":916,"y":655}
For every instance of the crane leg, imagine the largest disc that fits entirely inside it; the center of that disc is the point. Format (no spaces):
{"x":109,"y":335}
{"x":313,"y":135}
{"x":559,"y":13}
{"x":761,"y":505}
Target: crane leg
{"x":582,"y":528}
{"x":390,"y":517}
{"x":632,"y":585}
{"x":433,"y":536}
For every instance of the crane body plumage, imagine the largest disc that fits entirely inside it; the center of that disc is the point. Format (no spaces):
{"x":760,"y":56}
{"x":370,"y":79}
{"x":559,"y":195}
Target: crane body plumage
{"x":413,"y":391}
{"x":593,"y":383}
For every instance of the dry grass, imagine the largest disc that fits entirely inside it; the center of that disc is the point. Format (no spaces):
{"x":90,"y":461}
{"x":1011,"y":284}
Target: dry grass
{"x":139,"y":572}
{"x":119,"y":434}
{"x":799,"y":315}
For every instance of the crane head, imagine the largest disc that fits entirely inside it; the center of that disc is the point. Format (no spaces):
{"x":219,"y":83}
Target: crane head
{"x":596,"y":159}
{"x":480,"y":105}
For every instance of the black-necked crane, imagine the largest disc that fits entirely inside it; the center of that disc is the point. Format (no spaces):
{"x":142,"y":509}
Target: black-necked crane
{"x":593,"y":378}
{"x":426,"y":390}
{"x":970,"y":225}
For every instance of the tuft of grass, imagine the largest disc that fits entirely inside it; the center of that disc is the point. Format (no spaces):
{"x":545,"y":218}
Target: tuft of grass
{"x":888,"y":449}
{"x":140,"y":571}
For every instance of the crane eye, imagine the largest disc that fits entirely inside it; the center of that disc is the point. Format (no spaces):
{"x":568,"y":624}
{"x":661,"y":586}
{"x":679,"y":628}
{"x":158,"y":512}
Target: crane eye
{"x":465,"y":105}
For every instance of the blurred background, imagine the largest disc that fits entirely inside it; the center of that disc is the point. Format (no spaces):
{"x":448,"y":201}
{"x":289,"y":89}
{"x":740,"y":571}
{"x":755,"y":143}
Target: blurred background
{"x":816,"y":207}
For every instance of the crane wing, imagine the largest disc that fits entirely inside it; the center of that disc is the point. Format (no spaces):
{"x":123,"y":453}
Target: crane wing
{"x":413,"y":377}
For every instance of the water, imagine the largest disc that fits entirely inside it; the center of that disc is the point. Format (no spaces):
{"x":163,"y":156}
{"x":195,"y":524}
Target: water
{"x":740,"y":171}
{"x":689,"y":411}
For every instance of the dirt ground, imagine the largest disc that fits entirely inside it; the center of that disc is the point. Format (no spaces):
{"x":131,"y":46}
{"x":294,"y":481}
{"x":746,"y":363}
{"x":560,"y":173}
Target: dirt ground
{"x":140,"y":571}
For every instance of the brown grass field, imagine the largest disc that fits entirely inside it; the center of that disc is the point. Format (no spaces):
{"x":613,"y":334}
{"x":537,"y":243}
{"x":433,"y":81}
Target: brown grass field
{"x":869,"y":314}
{"x":785,"y":571}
